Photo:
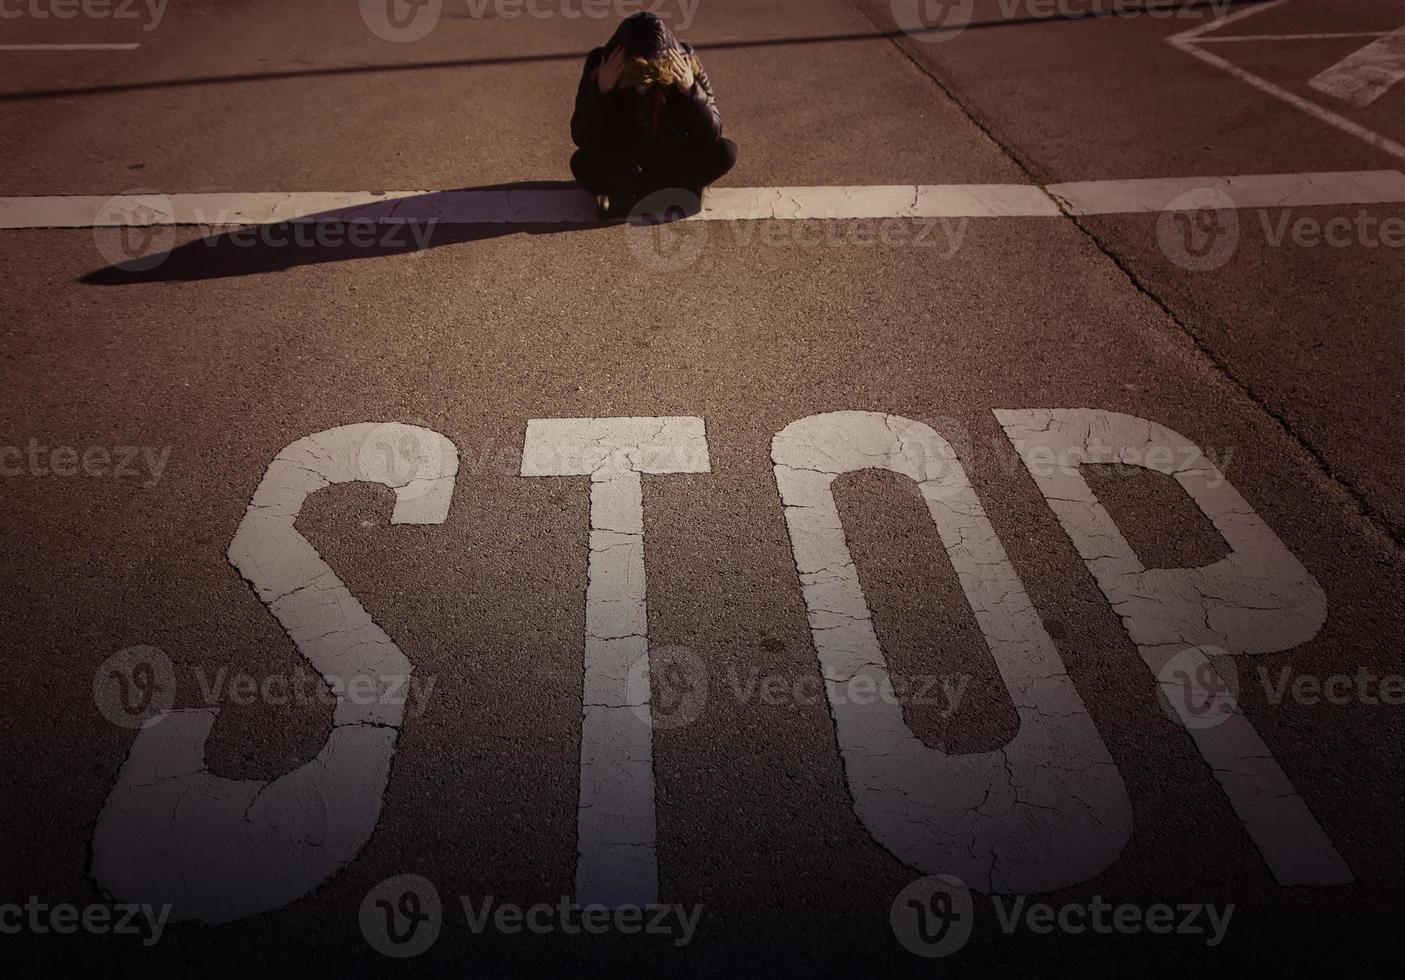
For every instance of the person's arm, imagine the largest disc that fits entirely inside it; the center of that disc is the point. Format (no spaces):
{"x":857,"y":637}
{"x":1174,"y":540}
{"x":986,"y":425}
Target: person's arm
{"x":702,"y":120}
{"x":585,"y":121}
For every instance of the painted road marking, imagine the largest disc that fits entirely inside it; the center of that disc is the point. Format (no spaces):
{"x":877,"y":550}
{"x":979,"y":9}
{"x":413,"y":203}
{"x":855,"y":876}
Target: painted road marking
{"x":69,"y":47}
{"x":993,"y":819}
{"x":220,"y":849}
{"x":564,"y":205}
{"x":1233,"y":38}
{"x":1364,"y":76}
{"x":574,"y":206}
{"x":1258,"y":599}
{"x":1257,"y":191}
{"x":617,"y":858}
{"x":1191,"y":42}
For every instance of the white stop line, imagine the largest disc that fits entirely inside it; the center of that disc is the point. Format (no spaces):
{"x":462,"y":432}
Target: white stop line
{"x":570,"y":205}
{"x":132,"y":46}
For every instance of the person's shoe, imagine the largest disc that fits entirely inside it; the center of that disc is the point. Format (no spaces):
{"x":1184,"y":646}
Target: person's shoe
{"x":612,"y":207}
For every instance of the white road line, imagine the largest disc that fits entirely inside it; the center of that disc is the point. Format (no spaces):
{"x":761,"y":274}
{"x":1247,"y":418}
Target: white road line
{"x":1215,"y":23}
{"x":1190,"y":41}
{"x":574,"y":206}
{"x":566,"y":205}
{"x":894,"y":201}
{"x":69,"y":47}
{"x":1258,"y":191}
{"x":1364,"y":76}
{"x":1346,"y":35}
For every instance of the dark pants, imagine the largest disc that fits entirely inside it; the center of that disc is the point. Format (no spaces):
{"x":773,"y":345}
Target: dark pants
{"x":601,"y":172}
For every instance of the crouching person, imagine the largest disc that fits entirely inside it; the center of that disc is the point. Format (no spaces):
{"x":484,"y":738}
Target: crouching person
{"x":646,"y":119}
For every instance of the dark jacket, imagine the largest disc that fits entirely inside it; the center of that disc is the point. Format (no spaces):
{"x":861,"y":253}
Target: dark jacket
{"x":612,"y":121}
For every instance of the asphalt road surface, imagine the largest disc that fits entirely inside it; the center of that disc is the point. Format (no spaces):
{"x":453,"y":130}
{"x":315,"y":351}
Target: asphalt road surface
{"x":972,"y":542}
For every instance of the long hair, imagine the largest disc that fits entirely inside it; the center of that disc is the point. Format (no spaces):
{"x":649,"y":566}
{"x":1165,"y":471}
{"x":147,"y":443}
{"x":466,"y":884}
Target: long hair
{"x":659,"y":75}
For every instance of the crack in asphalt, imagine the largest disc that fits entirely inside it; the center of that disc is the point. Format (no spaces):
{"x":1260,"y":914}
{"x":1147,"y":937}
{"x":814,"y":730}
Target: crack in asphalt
{"x":1384,"y":529}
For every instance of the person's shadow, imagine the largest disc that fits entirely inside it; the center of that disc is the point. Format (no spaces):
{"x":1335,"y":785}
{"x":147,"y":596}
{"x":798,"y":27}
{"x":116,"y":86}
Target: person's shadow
{"x":394,"y":226}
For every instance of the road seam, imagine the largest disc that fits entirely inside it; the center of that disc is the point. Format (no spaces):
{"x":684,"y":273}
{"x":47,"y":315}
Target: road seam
{"x":1374,"y":520}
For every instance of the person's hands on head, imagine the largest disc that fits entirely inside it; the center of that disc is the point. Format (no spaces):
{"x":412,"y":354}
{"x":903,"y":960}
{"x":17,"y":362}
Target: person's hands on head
{"x":607,"y":76}
{"x":682,"y":69}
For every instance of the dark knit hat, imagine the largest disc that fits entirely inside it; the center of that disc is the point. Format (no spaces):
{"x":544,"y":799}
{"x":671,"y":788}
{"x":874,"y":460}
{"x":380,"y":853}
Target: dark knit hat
{"x":644,"y":35}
